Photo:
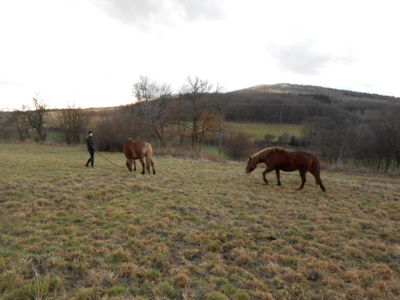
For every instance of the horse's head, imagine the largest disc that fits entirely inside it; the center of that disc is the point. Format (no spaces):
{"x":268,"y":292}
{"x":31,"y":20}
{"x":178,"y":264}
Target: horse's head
{"x":251,"y":165}
{"x":129,"y":164}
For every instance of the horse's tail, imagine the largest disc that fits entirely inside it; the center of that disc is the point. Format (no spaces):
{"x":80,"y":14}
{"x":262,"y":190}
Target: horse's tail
{"x":149,"y":158}
{"x":315,"y":170}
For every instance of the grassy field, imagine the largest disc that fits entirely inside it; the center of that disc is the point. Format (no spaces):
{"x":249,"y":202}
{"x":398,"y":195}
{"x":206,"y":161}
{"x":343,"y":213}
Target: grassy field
{"x":195,"y":230}
{"x":259,"y":130}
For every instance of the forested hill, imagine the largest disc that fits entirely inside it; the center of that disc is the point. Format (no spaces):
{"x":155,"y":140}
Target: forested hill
{"x":335,"y":95}
{"x":292,"y":103}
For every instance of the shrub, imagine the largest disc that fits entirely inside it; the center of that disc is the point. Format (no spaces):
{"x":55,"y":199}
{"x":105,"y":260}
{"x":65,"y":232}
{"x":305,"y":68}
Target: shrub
{"x":237,"y":145}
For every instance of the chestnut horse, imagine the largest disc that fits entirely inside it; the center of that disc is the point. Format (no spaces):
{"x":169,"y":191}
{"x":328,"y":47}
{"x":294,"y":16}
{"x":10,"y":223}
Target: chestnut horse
{"x":277,"y":159}
{"x":134,"y":149}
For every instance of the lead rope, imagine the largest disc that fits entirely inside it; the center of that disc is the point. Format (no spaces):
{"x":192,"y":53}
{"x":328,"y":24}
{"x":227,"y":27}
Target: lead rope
{"x":98,"y":153}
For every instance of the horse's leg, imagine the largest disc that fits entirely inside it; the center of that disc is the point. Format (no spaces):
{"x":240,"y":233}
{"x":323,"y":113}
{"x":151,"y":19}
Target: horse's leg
{"x":134,"y":165}
{"x":152,"y":165}
{"x":318,"y":179}
{"x":322,"y":186}
{"x":142,"y":162}
{"x":267,"y":170}
{"x":303,"y":178}
{"x":278,"y":176}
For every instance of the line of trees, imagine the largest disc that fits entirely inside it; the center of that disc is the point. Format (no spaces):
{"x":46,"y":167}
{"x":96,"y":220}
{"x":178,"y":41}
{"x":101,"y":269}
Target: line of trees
{"x":190,"y":118}
{"x":34,"y":122}
{"x":195,"y":115}
{"x":72,"y":122}
{"x":374,"y":143}
{"x":26,"y":120}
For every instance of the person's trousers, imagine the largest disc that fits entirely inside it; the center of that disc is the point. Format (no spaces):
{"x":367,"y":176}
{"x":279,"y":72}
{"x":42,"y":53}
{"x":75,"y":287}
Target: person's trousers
{"x":91,"y":159}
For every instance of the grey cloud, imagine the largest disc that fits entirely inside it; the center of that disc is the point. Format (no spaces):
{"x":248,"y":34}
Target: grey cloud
{"x":299,"y":58}
{"x":147,"y":14}
{"x":205,"y":9}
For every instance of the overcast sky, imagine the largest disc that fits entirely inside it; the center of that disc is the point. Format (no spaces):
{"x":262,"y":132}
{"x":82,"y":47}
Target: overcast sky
{"x":89,"y":53}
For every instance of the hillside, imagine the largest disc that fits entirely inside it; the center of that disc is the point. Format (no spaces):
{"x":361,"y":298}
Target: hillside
{"x":291,"y":103}
{"x":335,"y":94}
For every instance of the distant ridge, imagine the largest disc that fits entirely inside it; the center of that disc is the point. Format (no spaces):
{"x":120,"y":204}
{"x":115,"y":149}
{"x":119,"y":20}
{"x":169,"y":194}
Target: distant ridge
{"x":337,"y":94}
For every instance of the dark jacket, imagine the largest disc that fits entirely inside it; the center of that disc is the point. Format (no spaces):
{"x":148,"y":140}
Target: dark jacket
{"x":91,"y":146}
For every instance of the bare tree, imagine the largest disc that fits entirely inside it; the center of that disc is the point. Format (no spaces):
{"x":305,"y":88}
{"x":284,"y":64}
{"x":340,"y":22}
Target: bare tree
{"x":387,"y":131}
{"x":5,"y":126}
{"x":152,"y":103}
{"x":19,"y":122}
{"x":199,"y":110}
{"x":363,"y":145}
{"x":312,"y":127}
{"x":222,"y":107}
{"x":72,"y":122}
{"x":36,"y":117}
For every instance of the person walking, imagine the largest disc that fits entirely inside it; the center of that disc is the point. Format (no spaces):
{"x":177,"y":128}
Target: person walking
{"x":91,"y":147}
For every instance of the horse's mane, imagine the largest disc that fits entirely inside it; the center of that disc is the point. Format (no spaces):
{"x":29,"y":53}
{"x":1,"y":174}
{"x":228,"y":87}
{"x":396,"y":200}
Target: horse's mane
{"x":264,"y":153}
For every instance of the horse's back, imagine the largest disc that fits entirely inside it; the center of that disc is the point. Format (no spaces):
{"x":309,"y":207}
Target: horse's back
{"x":307,"y":160}
{"x":277,"y":157}
{"x":287,"y":160}
{"x":302,"y":155}
{"x":134,"y":148}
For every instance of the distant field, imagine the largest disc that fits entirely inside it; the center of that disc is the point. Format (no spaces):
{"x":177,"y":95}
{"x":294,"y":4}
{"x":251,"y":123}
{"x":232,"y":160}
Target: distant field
{"x":195,"y":230}
{"x":259,"y":130}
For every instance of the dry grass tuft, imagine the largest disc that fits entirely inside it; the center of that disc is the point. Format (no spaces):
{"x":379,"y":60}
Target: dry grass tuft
{"x":119,"y":256}
{"x":129,"y":271}
{"x":181,"y":280}
{"x":382,"y":272}
{"x":102,"y":278}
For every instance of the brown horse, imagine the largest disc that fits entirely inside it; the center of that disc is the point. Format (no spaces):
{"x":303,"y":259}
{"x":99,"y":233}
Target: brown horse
{"x":134,"y":149}
{"x":277,"y":159}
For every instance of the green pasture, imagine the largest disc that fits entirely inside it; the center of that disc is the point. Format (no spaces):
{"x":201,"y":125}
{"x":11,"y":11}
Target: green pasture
{"x":197,"y":229}
{"x":259,"y":130}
